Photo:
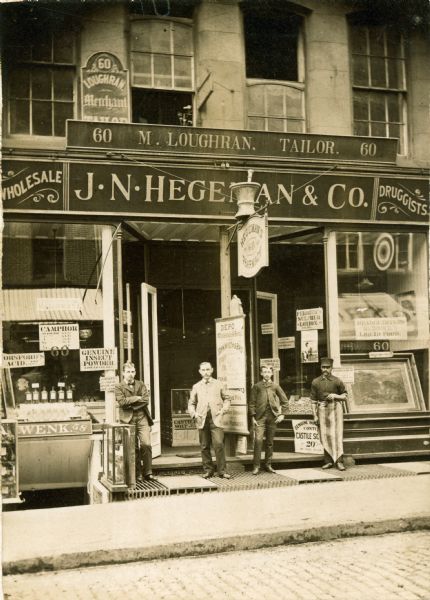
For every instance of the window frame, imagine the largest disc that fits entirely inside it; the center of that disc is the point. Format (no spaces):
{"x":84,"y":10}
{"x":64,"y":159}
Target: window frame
{"x":28,"y":65}
{"x":378,"y":91}
{"x":285,"y":119}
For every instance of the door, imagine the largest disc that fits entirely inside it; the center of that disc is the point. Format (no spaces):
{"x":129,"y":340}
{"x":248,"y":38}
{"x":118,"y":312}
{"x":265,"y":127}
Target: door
{"x":267,"y":322}
{"x":150,"y":360}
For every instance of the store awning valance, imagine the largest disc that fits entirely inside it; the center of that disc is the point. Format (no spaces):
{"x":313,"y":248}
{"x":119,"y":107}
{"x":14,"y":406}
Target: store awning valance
{"x":60,"y":304}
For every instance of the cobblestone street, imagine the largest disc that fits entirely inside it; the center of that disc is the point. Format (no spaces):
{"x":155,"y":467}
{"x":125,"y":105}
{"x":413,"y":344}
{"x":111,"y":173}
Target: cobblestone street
{"x":387,"y":567}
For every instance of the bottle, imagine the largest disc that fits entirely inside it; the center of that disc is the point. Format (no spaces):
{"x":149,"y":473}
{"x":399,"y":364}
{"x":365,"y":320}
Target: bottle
{"x":61,"y":392}
{"x":44,"y":395}
{"x":53,"y":395}
{"x":35,"y":392}
{"x":69,"y":394}
{"x":28,"y":396}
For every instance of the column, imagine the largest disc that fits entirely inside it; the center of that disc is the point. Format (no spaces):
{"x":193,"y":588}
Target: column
{"x":331,"y":293}
{"x":108,"y":312}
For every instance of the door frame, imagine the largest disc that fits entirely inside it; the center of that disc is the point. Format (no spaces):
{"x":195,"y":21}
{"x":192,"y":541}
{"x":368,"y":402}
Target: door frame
{"x":273,"y":299}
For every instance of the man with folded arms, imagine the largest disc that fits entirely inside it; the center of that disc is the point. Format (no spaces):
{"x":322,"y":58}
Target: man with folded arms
{"x":133,"y":398}
{"x":327,"y":396}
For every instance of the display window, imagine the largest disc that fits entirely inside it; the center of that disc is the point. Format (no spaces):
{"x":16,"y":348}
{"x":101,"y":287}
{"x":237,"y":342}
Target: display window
{"x":383,"y":300}
{"x":53,"y":335}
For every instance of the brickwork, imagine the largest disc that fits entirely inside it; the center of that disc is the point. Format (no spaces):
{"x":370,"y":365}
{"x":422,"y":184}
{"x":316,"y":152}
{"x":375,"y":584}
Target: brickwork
{"x":383,"y":567}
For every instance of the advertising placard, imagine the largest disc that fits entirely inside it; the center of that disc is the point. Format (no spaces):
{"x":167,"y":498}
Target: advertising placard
{"x":309,"y":318}
{"x":274,"y":362}
{"x":105,"y":90}
{"x":58,"y":335}
{"x":107,"y":384}
{"x":98,"y":359}
{"x":24,"y":360}
{"x":286,"y":343}
{"x":382,"y":328}
{"x":306,"y":437}
{"x":236,"y":420}
{"x":230,"y":351}
{"x":267,"y":328}
{"x":253,"y":246}
{"x":309,"y":345}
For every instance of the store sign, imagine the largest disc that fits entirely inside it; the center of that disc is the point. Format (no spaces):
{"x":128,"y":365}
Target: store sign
{"x":54,"y":428}
{"x":98,"y":359}
{"x":253,"y":246}
{"x":286,"y":343}
{"x":309,"y":318}
{"x":114,"y":188}
{"x":26,"y":360}
{"x":381,"y":328}
{"x":58,"y":335}
{"x":306,"y":437}
{"x":230,"y":351}
{"x":105,"y":90}
{"x":227,"y":142}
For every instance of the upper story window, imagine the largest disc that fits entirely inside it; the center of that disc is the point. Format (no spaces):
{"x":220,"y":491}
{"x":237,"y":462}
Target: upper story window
{"x":162,"y":71}
{"x":379,"y":83}
{"x":40,"y":87}
{"x":274,"y":71}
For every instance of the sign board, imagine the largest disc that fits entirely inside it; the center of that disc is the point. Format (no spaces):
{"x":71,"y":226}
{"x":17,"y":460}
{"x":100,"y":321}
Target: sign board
{"x":24,"y":360}
{"x":128,"y":339}
{"x":381,"y":354}
{"x":381,"y":328}
{"x":105,"y":90}
{"x":309,"y":345}
{"x":309,"y":318}
{"x":346,"y":374}
{"x":107,"y":384}
{"x":275,"y":363}
{"x":236,"y":420}
{"x":58,"y":304}
{"x":286,"y":343}
{"x":253,"y":246}
{"x":228,"y":142}
{"x":54,"y":428}
{"x":230,"y":351}
{"x":111,"y":187}
{"x":267,"y":328}
{"x":306,"y":437}
{"x":58,"y":335}
{"x":98,"y":359}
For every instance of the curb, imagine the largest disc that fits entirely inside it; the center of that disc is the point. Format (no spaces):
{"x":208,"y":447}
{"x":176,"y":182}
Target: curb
{"x":213,"y":545}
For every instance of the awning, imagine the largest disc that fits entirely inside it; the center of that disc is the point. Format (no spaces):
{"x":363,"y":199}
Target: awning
{"x":59,"y":304}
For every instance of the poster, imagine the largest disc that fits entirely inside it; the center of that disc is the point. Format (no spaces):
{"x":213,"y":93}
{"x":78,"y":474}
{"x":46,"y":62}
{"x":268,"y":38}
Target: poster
{"x":381,"y":328}
{"x":306,"y":437}
{"x":58,"y":335}
{"x":26,"y":360}
{"x":309,"y":346}
{"x":98,"y":359}
{"x":230,"y":351}
{"x":309,"y":318}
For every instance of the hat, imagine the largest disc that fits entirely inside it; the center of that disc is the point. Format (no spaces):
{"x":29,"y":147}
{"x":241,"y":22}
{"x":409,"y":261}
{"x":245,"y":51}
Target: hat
{"x":326,"y":362}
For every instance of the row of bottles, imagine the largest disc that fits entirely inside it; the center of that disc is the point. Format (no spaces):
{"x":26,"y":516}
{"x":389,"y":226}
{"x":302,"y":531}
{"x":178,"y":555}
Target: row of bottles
{"x":54,"y":395}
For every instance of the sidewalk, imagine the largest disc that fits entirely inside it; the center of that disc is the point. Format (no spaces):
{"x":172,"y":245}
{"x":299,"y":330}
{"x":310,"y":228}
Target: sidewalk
{"x":203,"y":523}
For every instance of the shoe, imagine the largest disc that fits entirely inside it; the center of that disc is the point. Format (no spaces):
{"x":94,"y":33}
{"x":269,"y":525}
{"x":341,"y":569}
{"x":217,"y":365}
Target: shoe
{"x":340,"y":466}
{"x":225,"y":476}
{"x":150,"y":477}
{"x":139,"y":479}
{"x":207,"y":475}
{"x":327,"y":466}
{"x":255,"y":471}
{"x":269,"y":469}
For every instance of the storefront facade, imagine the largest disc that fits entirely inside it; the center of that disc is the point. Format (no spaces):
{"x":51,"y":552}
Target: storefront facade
{"x":120,"y":238}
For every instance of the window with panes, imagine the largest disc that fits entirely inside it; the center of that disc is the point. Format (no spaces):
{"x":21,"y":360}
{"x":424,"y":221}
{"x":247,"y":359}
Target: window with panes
{"x":162,"y":70}
{"x":41,"y":70}
{"x":274,"y":71}
{"x":379,"y":83}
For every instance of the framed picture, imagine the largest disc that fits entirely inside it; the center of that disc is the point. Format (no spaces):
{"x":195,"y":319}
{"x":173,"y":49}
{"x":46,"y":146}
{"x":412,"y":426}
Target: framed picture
{"x":384,"y":385}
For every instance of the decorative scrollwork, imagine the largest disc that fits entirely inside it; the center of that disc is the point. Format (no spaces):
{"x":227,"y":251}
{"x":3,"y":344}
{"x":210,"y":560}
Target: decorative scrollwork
{"x":384,"y":207}
{"x":49,"y":194}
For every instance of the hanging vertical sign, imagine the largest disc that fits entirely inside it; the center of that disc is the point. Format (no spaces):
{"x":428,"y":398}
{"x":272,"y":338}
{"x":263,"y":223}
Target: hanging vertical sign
{"x":105,"y":91}
{"x":231,"y":370}
{"x":253,"y":246}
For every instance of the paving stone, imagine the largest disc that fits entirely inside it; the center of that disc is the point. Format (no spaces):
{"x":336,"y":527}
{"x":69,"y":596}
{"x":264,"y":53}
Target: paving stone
{"x":310,"y":475}
{"x":417,"y":467}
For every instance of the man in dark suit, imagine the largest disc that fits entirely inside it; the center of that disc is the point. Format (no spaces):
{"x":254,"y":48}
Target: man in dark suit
{"x":133,"y":399}
{"x":267,"y":407}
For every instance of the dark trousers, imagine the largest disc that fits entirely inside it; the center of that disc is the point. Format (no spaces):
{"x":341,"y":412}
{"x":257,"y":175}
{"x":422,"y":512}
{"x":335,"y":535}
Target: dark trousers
{"x":211,"y":434}
{"x":142,"y":443}
{"x":266,"y":426}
